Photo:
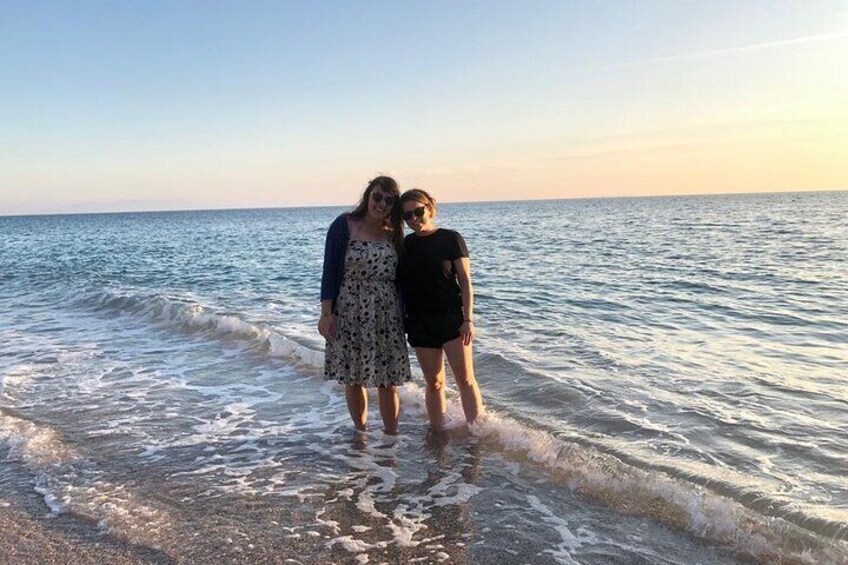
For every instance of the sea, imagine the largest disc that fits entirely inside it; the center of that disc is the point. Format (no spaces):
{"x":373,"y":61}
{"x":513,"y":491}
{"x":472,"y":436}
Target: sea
{"x":665,"y":380}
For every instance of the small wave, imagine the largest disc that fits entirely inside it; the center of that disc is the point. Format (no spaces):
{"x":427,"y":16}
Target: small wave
{"x":195,"y":318}
{"x":69,"y":483}
{"x":631,"y":490}
{"x":37,"y":446}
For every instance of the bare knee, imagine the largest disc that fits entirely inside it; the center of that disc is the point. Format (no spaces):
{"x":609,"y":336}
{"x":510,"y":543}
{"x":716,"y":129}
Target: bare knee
{"x":465,"y":380}
{"x":435,"y":382}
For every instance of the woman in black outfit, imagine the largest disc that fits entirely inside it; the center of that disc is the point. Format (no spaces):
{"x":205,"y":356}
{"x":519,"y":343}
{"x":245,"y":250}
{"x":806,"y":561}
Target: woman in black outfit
{"x":439,"y":299}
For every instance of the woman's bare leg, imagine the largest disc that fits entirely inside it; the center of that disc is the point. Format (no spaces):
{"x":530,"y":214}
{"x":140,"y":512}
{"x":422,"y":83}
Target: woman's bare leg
{"x":462,"y":366}
{"x":387,"y":399}
{"x":433,"y":366}
{"x":357,"y":405}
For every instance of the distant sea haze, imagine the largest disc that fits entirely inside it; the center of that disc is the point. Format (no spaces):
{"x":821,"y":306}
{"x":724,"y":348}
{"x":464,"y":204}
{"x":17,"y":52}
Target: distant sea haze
{"x":666,"y":382}
{"x":25,"y":208}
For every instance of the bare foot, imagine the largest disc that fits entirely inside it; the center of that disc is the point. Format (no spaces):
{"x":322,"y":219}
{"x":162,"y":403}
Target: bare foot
{"x":359,"y":440}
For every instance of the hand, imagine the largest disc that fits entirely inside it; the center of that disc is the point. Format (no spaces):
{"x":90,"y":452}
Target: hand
{"x":327,"y":326}
{"x":466,"y":332}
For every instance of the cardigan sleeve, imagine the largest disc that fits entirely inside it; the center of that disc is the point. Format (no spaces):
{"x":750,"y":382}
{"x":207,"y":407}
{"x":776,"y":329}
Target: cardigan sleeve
{"x":334,"y":249}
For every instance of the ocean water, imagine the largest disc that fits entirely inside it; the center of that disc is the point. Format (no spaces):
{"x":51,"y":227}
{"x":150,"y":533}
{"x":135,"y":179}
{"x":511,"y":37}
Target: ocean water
{"x":666,"y":382}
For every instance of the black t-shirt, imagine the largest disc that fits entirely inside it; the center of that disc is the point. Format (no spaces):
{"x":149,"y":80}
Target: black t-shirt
{"x":428,"y":283}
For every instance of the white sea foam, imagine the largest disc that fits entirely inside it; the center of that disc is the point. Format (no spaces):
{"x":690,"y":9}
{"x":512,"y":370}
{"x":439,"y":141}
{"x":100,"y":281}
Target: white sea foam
{"x":350,"y":544}
{"x":37,"y":446}
{"x":15,"y":377}
{"x":406,"y":523}
{"x":193,"y":317}
{"x":569,"y":542}
{"x":68,"y":483}
{"x":19,"y":377}
{"x":332,"y":524}
{"x":451,"y":490}
{"x":302,"y":493}
{"x":606,"y":479}
{"x":345,"y":493}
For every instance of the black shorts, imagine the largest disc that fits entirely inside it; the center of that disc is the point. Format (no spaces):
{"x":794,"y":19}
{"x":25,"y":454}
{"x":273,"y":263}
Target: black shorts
{"x":433,"y":329}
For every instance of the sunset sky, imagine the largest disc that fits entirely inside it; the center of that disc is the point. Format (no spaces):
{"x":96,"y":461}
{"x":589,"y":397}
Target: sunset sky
{"x":108,"y":106}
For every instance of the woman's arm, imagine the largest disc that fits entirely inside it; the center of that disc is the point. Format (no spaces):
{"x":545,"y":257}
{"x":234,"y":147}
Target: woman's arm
{"x":462,"y":266}
{"x":327,"y":321}
{"x":332,"y":274}
{"x":334,"y":248}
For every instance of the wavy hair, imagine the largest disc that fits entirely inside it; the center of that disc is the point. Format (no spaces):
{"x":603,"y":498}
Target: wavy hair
{"x":393,"y":221}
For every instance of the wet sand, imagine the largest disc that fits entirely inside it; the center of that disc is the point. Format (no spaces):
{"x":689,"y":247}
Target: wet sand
{"x":28,"y":539}
{"x":28,"y":534}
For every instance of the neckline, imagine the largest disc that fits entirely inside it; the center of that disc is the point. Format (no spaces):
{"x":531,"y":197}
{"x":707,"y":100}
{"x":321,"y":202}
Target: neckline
{"x":351,"y":220}
{"x":369,"y":240}
{"x":432,"y":233}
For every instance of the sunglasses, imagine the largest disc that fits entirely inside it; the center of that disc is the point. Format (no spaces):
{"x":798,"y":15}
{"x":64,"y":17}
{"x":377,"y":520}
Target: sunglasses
{"x":418,"y":213}
{"x":379,"y":197}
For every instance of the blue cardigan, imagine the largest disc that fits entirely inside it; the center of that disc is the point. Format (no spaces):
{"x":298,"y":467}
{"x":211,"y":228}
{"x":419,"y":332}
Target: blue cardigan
{"x":335,"y":249}
{"x":334,"y":258}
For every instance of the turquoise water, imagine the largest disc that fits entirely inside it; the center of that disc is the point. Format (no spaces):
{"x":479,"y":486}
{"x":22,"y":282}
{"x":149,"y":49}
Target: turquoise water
{"x":667,"y":380}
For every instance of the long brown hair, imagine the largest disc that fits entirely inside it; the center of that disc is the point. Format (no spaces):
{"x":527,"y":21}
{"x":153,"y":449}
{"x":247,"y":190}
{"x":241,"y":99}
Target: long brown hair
{"x":393,"y":221}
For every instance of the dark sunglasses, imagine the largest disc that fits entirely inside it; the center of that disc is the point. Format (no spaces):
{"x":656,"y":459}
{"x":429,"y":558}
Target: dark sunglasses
{"x":379,"y":197}
{"x":418,"y":212}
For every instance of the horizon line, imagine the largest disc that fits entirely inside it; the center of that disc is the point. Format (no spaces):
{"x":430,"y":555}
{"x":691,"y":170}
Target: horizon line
{"x":461,"y":202}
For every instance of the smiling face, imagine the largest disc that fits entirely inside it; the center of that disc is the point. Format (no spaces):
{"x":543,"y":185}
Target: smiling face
{"x":381,"y":202}
{"x":418,"y":216}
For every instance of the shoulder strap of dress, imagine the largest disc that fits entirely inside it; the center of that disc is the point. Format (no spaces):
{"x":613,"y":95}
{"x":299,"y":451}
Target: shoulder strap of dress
{"x":352,"y":226}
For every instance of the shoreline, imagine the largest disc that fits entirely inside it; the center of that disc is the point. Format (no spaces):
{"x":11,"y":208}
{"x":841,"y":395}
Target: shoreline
{"x":30,"y":534}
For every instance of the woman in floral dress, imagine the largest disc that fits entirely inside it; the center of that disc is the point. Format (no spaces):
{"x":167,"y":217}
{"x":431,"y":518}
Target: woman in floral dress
{"x":360,"y":308}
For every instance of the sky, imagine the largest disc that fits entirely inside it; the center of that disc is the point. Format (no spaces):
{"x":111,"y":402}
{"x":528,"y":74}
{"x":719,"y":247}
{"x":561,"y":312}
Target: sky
{"x":148,"y":105}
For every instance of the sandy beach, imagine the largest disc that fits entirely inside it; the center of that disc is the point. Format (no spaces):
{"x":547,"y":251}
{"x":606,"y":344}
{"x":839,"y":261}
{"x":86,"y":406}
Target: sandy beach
{"x":294,"y":531}
{"x":29,"y":534}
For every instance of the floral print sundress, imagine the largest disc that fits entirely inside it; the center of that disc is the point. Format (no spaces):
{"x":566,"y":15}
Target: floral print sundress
{"x":370,"y":345}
